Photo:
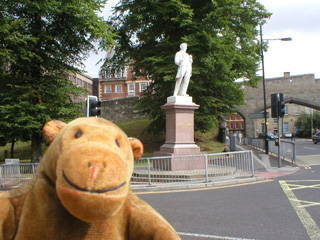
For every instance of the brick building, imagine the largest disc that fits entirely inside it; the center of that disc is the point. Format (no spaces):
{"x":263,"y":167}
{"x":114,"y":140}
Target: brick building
{"x":122,"y":84}
{"x":235,"y":124}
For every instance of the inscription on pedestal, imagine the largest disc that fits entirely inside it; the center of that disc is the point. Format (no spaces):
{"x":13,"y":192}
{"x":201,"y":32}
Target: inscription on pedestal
{"x":185,"y":124}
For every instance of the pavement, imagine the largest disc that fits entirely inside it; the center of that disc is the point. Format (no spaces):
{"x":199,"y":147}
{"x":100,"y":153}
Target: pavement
{"x":266,"y":166}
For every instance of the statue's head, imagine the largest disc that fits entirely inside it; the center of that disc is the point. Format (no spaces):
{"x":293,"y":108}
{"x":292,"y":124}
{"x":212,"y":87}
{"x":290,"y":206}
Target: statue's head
{"x":183,"y":46}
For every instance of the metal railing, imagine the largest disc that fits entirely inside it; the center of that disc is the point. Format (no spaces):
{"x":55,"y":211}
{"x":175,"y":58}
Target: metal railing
{"x":152,"y":171}
{"x":16,"y":174}
{"x":287,"y":149}
{"x":193,"y":168}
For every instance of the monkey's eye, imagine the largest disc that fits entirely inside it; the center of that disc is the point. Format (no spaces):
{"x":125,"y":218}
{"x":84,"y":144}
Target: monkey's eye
{"x":117,"y":142}
{"x":78,"y":134}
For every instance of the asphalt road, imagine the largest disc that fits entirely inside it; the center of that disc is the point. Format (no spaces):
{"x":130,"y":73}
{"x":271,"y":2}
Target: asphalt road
{"x":285,"y":208}
{"x":307,"y":147}
{"x":307,"y":152}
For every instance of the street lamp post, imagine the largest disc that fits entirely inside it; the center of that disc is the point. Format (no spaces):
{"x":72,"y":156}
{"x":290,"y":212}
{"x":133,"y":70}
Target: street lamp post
{"x":264,"y":88}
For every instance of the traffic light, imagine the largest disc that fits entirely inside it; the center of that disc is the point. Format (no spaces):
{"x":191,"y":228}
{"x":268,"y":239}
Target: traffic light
{"x":92,"y":104}
{"x":282,"y":106}
{"x":274,"y":105}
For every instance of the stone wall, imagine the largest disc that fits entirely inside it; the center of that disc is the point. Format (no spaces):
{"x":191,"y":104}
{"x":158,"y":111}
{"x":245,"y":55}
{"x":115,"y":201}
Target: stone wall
{"x":300,"y":89}
{"x":121,"y":110}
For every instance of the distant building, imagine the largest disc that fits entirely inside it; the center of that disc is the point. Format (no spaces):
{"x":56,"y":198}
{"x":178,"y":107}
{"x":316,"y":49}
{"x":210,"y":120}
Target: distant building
{"x":292,"y":113}
{"x":292,"y":110}
{"x":235,"y":124}
{"x":84,"y":81}
{"x":122,"y":84}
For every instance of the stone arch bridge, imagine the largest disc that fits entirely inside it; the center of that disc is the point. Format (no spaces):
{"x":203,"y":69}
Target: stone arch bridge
{"x":300,"y":89}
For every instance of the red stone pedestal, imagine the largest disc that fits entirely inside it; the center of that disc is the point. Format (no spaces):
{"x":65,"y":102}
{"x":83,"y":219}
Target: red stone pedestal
{"x":179,"y":134}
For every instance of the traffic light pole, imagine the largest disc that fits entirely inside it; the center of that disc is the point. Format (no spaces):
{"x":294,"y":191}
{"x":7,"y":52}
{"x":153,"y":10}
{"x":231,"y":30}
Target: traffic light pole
{"x":264,"y":96}
{"x":278,"y":110}
{"x":279,"y":141}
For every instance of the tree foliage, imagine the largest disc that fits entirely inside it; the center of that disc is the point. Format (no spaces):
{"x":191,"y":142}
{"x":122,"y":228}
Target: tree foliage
{"x":42,"y":41}
{"x":221,"y":36}
{"x":303,"y":123}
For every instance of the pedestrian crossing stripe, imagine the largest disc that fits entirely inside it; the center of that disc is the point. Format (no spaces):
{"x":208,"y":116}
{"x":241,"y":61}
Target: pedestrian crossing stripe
{"x":305,"y":218}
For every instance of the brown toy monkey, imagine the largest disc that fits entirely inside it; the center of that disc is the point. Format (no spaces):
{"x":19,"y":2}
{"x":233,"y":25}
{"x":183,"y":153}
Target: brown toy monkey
{"x":82,"y":189}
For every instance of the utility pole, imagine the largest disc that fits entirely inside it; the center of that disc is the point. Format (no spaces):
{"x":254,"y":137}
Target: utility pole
{"x":264,"y":95}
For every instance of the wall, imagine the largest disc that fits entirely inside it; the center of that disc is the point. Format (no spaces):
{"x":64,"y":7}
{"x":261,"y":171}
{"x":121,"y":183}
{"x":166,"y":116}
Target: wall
{"x":300,"y":89}
{"x":121,"y":110}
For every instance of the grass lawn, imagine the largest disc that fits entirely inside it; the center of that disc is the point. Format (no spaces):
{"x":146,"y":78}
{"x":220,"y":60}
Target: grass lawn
{"x":207,"y":141}
{"x":22,"y":150}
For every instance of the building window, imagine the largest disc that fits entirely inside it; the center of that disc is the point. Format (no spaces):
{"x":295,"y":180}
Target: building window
{"x":231,"y":117}
{"x":131,"y":87}
{"x":143,"y":86}
{"x":120,"y":73}
{"x":308,"y":110}
{"x":108,"y":89}
{"x":286,"y":109}
{"x":131,"y":90}
{"x":237,"y":125}
{"x":285,"y":127}
{"x":262,"y":127}
{"x":118,"y":88}
{"x":275,"y":121}
{"x":296,"y":109}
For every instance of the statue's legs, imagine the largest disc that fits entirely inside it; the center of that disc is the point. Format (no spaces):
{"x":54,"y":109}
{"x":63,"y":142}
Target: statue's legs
{"x":184,"y":84}
{"x":177,"y":86}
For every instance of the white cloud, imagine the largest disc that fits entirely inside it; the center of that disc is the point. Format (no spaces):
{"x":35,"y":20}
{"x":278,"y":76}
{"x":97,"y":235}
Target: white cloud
{"x":300,"y":20}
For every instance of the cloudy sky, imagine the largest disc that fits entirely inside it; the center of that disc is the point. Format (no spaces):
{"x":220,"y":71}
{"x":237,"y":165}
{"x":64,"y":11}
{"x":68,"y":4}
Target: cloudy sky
{"x":299,"y":19}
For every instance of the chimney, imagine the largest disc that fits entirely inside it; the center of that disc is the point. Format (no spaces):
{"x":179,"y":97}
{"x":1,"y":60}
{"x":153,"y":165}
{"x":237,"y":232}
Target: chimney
{"x":286,"y":74}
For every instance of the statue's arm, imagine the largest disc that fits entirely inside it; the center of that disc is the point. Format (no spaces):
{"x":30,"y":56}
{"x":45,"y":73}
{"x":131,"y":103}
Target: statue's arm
{"x":177,"y":59}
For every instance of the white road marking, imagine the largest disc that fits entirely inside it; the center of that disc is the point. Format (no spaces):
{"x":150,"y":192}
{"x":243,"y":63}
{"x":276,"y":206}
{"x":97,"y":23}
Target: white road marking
{"x":310,"y":148}
{"x":199,"y":235}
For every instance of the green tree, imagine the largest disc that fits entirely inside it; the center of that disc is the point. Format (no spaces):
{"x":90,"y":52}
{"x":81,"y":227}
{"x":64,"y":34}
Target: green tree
{"x":303,"y":123}
{"x":221,"y":36}
{"x":42,"y":41}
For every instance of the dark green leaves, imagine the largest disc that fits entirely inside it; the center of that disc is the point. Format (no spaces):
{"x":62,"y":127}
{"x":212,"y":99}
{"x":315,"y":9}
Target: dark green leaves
{"x":41,"y":42}
{"x":221,"y":36}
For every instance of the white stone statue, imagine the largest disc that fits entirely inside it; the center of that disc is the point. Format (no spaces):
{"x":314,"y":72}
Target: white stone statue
{"x":184,"y":62}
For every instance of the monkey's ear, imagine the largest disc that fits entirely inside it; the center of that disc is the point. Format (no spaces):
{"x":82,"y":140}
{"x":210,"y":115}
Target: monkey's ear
{"x":51,"y":129}
{"x":137,"y":147}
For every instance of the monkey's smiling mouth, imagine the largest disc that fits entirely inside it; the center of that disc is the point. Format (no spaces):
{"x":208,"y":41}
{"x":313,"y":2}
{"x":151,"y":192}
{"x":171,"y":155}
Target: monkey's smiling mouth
{"x":91,"y":191}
